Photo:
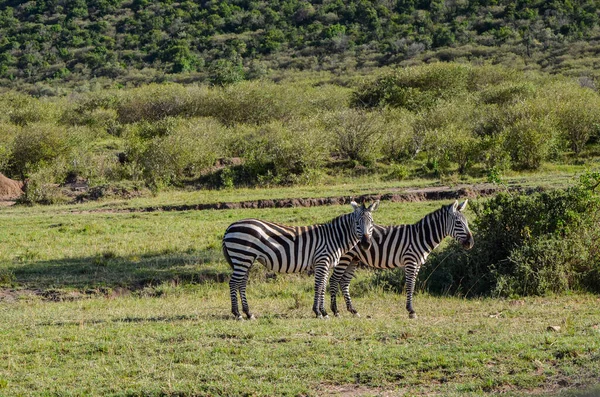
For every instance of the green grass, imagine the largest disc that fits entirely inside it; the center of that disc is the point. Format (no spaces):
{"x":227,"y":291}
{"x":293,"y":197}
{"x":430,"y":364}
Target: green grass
{"x":138,"y":305}
{"x":185,"y":343}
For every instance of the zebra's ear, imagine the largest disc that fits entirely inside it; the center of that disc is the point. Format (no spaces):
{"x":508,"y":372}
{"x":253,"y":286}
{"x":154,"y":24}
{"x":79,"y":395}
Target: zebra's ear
{"x":463,"y":205}
{"x":455,"y":206}
{"x":373,"y":206}
{"x":354,"y":205}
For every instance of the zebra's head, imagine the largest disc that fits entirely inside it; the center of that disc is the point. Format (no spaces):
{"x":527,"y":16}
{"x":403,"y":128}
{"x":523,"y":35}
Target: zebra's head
{"x":458,"y":227}
{"x":363,"y":222}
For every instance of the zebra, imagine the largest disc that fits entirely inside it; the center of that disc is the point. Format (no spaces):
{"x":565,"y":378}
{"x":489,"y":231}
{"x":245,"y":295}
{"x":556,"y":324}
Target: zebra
{"x":405,"y":246}
{"x":292,"y":249}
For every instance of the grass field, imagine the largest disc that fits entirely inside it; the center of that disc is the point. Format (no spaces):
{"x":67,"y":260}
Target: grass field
{"x":137,"y":304}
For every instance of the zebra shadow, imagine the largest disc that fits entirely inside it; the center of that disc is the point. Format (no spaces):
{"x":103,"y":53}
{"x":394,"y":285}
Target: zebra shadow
{"x":111,"y":272}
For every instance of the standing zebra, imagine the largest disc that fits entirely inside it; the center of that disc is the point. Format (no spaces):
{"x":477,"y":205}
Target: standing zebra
{"x":403,"y":245}
{"x":292,"y":249}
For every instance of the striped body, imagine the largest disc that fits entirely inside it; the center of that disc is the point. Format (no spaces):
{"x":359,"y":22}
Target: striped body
{"x":289,"y":249}
{"x":405,"y":246}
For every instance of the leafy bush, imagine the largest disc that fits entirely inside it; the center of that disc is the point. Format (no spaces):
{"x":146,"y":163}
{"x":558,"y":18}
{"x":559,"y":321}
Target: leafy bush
{"x":529,"y":142}
{"x":356,"y":134}
{"x":535,"y":244}
{"x":8,"y":133}
{"x":23,"y":109}
{"x":577,"y":111}
{"x":41,"y":187}
{"x":507,"y":93}
{"x":414,"y":88}
{"x":36,"y":145}
{"x":398,"y":133}
{"x":183,"y":152}
{"x":277,"y":153}
{"x":155,"y":102}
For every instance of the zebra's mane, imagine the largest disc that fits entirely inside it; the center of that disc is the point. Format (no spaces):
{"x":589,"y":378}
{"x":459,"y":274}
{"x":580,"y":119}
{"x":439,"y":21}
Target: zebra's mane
{"x":418,"y":223}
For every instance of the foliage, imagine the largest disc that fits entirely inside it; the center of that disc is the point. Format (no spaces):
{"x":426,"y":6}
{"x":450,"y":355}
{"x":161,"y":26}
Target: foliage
{"x":527,"y":245}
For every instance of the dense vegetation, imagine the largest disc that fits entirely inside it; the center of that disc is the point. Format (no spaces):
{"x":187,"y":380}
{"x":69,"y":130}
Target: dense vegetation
{"x":433,"y":120}
{"x":137,"y":41}
{"x":538,"y":244}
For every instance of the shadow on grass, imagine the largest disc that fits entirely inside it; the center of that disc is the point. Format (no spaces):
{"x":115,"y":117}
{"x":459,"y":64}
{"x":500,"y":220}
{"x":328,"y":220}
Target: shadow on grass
{"x":109,"y":272}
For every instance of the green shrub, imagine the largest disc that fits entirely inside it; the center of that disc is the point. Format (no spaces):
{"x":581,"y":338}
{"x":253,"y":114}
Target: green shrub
{"x":155,"y":102}
{"x":397,"y":134}
{"x":507,"y":93}
{"x":445,"y":134}
{"x":414,"y":88}
{"x":535,"y":244}
{"x":41,"y":187}
{"x":184,"y":152}
{"x":577,"y":111}
{"x":36,"y":145}
{"x":23,"y":109}
{"x":356,"y":134}
{"x":397,"y":172}
{"x":529,"y":142}
{"x":275,"y":153}
{"x":8,"y":132}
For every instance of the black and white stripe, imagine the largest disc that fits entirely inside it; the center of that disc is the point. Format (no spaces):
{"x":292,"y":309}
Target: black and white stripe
{"x":405,"y":246}
{"x":292,"y":249}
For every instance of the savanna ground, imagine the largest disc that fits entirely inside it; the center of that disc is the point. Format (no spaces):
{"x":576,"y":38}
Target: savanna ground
{"x":137,"y":304}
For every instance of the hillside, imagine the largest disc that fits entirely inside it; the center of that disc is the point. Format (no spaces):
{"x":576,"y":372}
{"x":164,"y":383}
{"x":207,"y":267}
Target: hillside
{"x":141,"y":41}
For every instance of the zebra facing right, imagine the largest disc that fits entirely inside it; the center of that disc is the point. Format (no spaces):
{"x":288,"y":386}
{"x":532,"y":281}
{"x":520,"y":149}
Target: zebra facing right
{"x":405,"y":246}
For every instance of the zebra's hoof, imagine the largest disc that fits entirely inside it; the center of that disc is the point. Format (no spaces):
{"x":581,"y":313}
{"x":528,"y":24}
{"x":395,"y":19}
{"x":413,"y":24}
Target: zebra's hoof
{"x":319,"y":316}
{"x":252,"y":317}
{"x":336,"y":314}
{"x":412,"y":315}
{"x":239,"y":318}
{"x":326,"y":317}
{"x":356,"y":315}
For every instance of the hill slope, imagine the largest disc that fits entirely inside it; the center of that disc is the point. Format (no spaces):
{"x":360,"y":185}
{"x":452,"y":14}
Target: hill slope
{"x":52,"y":40}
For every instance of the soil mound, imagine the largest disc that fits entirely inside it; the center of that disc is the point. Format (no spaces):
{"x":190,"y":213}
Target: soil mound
{"x":10,"y":189}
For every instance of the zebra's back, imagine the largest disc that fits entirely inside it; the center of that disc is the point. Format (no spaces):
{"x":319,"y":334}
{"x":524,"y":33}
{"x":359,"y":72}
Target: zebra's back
{"x":280,"y":248}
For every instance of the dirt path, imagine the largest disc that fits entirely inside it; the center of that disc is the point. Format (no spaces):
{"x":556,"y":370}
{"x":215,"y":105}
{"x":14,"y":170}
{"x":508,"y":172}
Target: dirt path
{"x":404,"y":195}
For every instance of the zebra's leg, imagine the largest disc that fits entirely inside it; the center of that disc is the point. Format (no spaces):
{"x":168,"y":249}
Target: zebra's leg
{"x":411,"y":272}
{"x":239,"y":274}
{"x":321,"y":272}
{"x":345,"y":285}
{"x":245,"y":306}
{"x":334,"y":281}
{"x":234,"y":302}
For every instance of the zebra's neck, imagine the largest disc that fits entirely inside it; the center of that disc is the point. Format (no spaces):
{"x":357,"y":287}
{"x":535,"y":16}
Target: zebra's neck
{"x":432,"y":228}
{"x":341,"y":231}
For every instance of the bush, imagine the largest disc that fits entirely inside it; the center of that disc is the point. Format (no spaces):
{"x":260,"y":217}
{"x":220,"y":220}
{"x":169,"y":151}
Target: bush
{"x":22,"y":109}
{"x":397,"y":135}
{"x":507,"y":93}
{"x":445,"y":134}
{"x":282,"y":154}
{"x":8,"y":132}
{"x":41,"y":187}
{"x":526,"y":245}
{"x":155,"y":102}
{"x":529,"y":142}
{"x":577,"y":111}
{"x":35,"y":146}
{"x":356,"y":134}
{"x":182,"y":153}
{"x":414,"y":88}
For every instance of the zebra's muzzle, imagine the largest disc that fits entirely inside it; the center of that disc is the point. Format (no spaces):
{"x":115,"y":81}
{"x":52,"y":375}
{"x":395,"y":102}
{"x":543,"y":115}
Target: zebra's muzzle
{"x":365,"y":242}
{"x":469,"y":242}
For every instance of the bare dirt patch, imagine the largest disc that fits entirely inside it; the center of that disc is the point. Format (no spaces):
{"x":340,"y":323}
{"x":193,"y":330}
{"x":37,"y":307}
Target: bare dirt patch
{"x":10,"y":190}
